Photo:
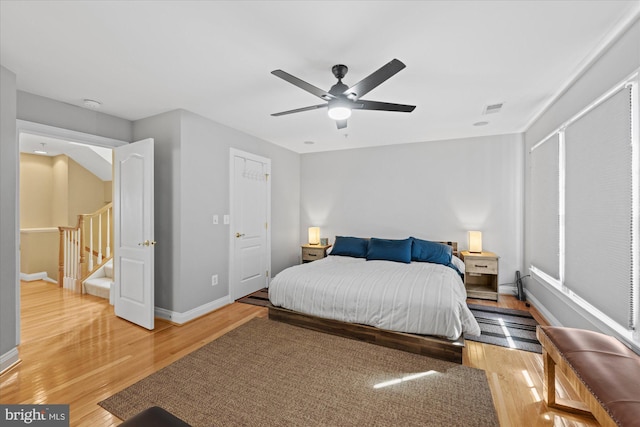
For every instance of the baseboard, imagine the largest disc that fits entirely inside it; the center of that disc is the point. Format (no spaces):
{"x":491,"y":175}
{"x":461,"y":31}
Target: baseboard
{"x":32,"y":277}
{"x":187,"y":316}
{"x":9,"y":359}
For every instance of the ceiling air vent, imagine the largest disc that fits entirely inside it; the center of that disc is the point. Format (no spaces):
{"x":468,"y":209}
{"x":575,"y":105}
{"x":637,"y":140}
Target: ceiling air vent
{"x":493,"y":108}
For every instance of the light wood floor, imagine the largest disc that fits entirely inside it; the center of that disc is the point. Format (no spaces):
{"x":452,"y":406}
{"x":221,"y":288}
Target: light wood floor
{"x":75,"y":351}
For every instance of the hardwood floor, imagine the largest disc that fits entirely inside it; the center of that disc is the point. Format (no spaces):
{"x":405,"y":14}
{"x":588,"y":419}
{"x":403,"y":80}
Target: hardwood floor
{"x":74,"y":350}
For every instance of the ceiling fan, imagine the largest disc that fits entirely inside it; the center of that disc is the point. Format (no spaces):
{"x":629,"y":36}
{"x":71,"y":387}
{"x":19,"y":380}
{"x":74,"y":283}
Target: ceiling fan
{"x":341,"y":99}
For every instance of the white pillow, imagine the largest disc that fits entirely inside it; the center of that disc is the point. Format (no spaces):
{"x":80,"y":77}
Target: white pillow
{"x":458,"y":263}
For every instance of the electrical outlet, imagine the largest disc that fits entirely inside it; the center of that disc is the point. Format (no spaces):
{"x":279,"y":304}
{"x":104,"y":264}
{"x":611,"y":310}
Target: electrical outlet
{"x":214,"y":280}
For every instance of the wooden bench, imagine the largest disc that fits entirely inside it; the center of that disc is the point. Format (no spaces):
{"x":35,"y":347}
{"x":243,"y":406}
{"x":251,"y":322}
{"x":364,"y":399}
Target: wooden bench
{"x":604,"y":373}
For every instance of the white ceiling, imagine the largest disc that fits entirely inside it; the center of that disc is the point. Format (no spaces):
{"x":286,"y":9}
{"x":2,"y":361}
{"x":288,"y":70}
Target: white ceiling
{"x":214,"y":58}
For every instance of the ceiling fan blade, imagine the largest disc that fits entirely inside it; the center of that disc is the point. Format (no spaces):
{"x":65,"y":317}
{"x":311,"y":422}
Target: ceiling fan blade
{"x":299,"y":110}
{"x":383,"y":106}
{"x":341,"y":124}
{"x":303,"y":85}
{"x":372,"y":81}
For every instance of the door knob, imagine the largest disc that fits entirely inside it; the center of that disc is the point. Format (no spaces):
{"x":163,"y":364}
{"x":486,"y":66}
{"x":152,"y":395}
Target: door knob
{"x":147,"y":243}
{"x":238,"y":235}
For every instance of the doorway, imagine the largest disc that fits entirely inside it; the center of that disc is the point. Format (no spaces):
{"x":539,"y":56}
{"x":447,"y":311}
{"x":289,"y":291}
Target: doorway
{"x":80,"y":147}
{"x":250,"y":202}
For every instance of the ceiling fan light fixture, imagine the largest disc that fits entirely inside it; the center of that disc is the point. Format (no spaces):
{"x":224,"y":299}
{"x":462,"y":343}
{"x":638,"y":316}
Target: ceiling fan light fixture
{"x":339,"y":112}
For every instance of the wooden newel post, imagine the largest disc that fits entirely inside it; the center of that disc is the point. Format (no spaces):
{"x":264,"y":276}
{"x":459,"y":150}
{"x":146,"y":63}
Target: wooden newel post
{"x":61,"y":258}
{"x":83,"y":258}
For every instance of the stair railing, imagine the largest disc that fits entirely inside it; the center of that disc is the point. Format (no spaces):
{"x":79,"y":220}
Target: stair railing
{"x":76,"y":260}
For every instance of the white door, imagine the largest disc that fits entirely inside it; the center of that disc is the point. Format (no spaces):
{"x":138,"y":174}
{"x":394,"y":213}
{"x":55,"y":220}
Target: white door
{"x":250,"y":214}
{"x":133,"y":234}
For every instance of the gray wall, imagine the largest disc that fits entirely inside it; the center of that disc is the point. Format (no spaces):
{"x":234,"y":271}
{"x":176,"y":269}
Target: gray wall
{"x":616,"y":63}
{"x":433,"y":190}
{"x":165,"y":129}
{"x":192,"y":184}
{"x":38,"y":109}
{"x":8,"y":220}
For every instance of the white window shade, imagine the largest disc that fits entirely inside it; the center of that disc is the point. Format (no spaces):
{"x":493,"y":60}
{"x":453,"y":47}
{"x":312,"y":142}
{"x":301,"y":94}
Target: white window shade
{"x":598,"y":207}
{"x":545,"y":218}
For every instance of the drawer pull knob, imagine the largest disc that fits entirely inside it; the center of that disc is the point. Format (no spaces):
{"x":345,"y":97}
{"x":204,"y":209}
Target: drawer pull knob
{"x":481,"y":266}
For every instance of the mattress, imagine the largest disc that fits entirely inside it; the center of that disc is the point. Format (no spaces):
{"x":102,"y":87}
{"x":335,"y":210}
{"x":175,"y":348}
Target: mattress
{"x":420,"y":297}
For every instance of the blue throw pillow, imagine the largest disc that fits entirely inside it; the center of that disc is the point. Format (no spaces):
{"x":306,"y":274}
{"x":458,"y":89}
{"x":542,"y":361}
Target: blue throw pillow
{"x":389,"y":250}
{"x":350,"y":246}
{"x":426,"y":251}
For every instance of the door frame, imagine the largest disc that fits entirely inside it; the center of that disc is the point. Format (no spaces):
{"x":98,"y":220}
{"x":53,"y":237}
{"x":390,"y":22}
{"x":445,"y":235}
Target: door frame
{"x":33,"y":128}
{"x":233,"y":152}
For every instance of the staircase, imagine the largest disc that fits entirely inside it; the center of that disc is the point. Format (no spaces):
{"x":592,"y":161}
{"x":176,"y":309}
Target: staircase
{"x":99,"y":283}
{"x":84,"y":248}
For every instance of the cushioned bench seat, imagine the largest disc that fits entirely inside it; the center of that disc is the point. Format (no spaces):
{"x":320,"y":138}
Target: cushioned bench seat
{"x":602,"y":370}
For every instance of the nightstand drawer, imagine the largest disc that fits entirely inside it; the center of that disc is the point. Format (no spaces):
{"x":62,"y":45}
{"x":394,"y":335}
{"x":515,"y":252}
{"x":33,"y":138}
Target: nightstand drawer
{"x":312,"y":254}
{"x":483,"y":266}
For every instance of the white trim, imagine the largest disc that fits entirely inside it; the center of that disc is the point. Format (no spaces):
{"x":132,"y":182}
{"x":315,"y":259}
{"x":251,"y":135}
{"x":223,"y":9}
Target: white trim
{"x":9,"y":359}
{"x":543,"y":140}
{"x":635,"y":204}
{"x":180,"y":318}
{"x":33,"y":128}
{"x":544,"y":277}
{"x":32,"y":277}
{"x":568,"y":299}
{"x":562,"y":200}
{"x":233,"y":152}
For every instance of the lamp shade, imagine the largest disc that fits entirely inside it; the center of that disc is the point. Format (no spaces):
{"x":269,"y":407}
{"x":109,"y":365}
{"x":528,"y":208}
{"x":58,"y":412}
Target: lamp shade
{"x":314,"y":235}
{"x":475,"y":241}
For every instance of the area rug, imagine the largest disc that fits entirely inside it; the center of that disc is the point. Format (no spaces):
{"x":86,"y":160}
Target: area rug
{"x":506,"y":328}
{"x":270,"y":373}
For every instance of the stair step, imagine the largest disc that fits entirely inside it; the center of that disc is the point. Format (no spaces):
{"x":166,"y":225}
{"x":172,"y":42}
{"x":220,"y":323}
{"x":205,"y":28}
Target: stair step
{"x":98,"y":286}
{"x":108,"y":269}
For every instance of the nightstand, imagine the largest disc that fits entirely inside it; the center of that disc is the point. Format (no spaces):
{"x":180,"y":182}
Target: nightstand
{"x":481,"y":274}
{"x":314,"y":252}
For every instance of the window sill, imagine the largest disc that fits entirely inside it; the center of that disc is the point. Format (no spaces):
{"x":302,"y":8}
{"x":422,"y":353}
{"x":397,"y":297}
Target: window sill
{"x":583,"y":309}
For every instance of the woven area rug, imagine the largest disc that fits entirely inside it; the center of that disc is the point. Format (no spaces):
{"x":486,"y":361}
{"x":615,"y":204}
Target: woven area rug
{"x":270,"y":373}
{"x":506,"y":328}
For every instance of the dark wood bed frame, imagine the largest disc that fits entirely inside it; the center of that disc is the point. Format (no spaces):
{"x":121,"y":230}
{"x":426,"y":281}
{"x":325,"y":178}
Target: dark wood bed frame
{"x":437,"y":347}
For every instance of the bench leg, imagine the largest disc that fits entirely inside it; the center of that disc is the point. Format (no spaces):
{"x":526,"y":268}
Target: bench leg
{"x":549,"y":390}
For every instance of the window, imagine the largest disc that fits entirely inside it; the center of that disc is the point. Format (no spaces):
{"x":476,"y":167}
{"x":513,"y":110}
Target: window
{"x":584,"y":198}
{"x":545,"y":215}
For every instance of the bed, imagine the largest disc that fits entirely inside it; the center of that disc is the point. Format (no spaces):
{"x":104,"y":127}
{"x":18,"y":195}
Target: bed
{"x":387,"y":293}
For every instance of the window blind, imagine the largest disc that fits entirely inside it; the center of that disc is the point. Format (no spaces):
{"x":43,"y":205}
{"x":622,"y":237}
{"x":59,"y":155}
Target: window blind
{"x":545,"y":221}
{"x":598,"y":207}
